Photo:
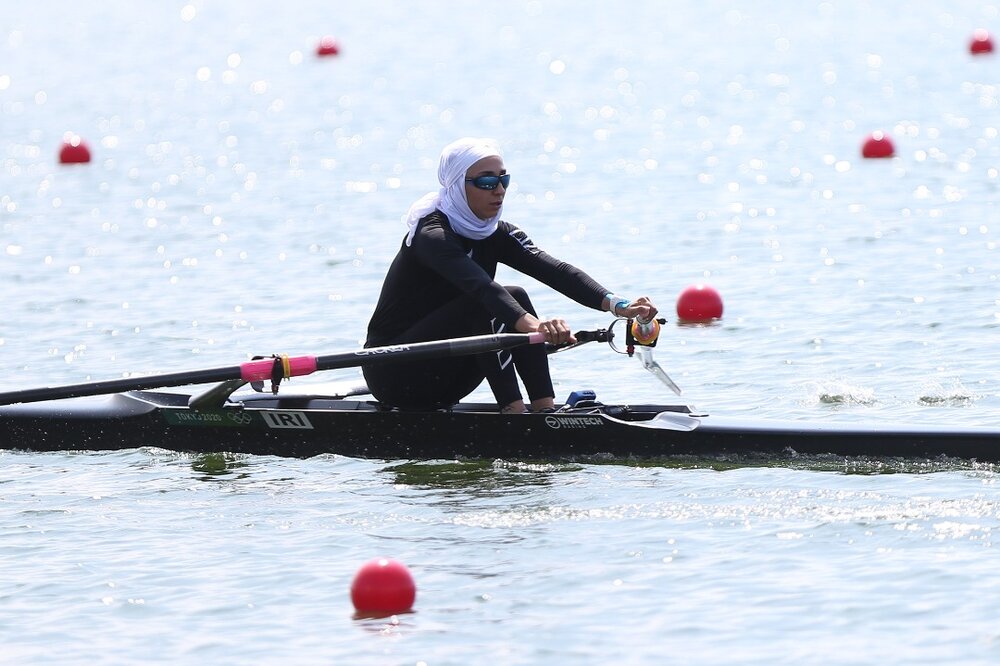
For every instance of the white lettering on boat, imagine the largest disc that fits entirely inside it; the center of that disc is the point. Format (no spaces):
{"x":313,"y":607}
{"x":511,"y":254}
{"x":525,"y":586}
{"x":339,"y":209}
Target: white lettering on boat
{"x":287,"y":420}
{"x":213,"y":418}
{"x":198,"y":417}
{"x":557,"y":422}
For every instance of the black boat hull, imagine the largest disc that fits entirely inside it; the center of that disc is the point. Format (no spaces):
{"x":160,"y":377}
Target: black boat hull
{"x":305,"y":426}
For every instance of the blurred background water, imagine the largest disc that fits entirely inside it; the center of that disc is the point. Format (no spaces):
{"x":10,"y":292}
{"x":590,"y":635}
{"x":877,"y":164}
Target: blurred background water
{"x":244,"y":197}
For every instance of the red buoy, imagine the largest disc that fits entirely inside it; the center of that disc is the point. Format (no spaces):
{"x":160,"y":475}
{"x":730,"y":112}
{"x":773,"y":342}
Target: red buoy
{"x":878,"y":145}
{"x":699,"y":303}
{"x":383,"y":587}
{"x":328,"y":46}
{"x":74,"y":150}
{"x":981,"y":42}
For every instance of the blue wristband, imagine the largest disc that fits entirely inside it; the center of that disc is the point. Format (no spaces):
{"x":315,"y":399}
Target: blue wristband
{"x":615,"y":302}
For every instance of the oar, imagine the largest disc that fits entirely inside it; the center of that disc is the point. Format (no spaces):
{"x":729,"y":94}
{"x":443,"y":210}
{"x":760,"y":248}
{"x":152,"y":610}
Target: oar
{"x":285,"y":366}
{"x":640,"y":338}
{"x":645,"y":354}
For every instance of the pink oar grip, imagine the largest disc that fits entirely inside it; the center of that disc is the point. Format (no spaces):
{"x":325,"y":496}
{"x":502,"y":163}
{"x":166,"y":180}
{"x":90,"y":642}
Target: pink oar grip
{"x":536,"y":338}
{"x":255,"y":371}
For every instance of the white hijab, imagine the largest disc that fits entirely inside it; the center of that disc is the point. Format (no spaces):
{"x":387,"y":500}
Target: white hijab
{"x":456,"y":159}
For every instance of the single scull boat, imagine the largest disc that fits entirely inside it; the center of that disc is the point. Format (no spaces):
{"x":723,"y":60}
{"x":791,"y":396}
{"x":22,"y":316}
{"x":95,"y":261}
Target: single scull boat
{"x":122,"y":414}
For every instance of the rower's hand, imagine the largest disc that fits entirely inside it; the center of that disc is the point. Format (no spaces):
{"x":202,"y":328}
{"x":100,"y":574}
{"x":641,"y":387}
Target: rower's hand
{"x":641,"y":308}
{"x":557,"y":331}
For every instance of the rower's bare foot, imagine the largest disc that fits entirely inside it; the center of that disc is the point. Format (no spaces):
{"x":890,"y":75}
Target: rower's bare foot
{"x":543,"y":405}
{"x":516,"y":407}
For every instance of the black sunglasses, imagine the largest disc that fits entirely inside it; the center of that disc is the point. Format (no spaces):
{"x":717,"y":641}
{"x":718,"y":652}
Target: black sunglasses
{"x":489,"y":182}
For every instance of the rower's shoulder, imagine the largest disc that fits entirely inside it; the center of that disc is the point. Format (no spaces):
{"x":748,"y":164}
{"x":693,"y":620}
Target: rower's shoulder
{"x":434,"y":227}
{"x":436,"y":216}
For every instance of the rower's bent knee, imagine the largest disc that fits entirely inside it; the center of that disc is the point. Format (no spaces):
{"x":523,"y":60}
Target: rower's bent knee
{"x":521,"y":296}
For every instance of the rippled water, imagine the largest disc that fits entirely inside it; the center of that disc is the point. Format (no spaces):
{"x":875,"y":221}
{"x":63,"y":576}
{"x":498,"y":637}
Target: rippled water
{"x":146,"y":556}
{"x":244,"y":198}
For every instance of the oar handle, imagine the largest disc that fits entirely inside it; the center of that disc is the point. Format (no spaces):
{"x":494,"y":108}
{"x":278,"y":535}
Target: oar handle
{"x":583,"y":337}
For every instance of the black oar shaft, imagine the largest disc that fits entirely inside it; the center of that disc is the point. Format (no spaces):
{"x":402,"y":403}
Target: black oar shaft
{"x":371,"y":356}
{"x":418,"y":351}
{"x":119,"y":385}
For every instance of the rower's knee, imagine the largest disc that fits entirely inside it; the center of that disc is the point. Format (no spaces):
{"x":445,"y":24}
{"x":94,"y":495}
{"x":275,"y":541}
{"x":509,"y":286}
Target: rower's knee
{"x":521,"y":296}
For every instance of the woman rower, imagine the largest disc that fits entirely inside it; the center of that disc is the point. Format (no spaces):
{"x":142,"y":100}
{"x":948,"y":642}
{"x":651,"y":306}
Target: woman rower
{"x":441,"y":285}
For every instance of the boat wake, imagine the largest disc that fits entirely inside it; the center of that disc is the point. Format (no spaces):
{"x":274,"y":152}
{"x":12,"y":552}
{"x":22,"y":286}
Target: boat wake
{"x":847,"y":394}
{"x":940,"y":396}
{"x":843,"y":393}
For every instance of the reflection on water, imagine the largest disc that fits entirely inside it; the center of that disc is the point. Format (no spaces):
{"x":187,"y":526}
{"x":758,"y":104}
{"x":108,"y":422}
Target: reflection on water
{"x":488,"y":479}
{"x":485,"y":478}
{"x":863,"y":465}
{"x":215,"y":465}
